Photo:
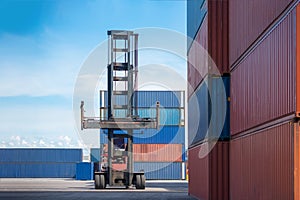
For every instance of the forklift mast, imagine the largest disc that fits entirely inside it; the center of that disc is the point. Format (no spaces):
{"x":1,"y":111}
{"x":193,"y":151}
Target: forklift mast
{"x":121,"y":113}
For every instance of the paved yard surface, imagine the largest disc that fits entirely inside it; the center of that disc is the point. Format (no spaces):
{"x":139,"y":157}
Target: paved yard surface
{"x":71,"y":189}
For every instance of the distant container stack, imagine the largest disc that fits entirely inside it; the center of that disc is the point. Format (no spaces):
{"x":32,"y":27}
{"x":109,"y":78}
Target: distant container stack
{"x":208,"y":99}
{"x":39,"y":162}
{"x":160,"y":153}
{"x":265,"y":99}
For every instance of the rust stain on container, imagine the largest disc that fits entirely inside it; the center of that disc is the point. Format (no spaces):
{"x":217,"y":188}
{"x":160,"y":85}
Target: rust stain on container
{"x":208,"y":176}
{"x":261,"y":164}
{"x":157,"y":152}
{"x":248,"y":19}
{"x":263,"y":85}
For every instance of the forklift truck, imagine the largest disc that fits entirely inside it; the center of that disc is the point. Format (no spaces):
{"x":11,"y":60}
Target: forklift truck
{"x":120,"y":116}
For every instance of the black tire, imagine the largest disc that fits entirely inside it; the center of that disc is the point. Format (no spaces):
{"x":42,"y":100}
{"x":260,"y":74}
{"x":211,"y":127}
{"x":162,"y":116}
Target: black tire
{"x":97,"y":181}
{"x":143,"y":181}
{"x":102,"y":181}
{"x":138,"y":184}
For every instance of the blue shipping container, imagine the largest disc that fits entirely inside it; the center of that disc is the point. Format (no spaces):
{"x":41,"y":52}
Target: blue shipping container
{"x":168,"y":116}
{"x":40,"y":155}
{"x":85,"y":171}
{"x":219,"y":114}
{"x":95,"y":154}
{"x":165,"y":135}
{"x":196,"y":11}
{"x":148,"y":99}
{"x":212,"y":120}
{"x":160,"y":170}
{"x":165,"y":98}
{"x":198,"y":114}
{"x":37,"y":170}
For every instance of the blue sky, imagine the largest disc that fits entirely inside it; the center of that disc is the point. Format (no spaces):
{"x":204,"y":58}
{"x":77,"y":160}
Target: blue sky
{"x":43,"y":44}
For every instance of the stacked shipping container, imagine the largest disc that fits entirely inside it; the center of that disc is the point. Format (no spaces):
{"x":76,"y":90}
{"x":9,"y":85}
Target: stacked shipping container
{"x":85,"y":171}
{"x":263,"y":58}
{"x":39,"y":163}
{"x":160,"y":153}
{"x":264,"y":53}
{"x":208,"y":175}
{"x":265,"y":164}
{"x":208,"y":126}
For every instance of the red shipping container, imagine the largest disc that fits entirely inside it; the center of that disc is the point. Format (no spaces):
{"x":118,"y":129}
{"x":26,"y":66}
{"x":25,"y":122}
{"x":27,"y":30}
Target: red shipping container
{"x":211,"y":40}
{"x":197,"y":58}
{"x":208,"y":176}
{"x":157,"y":152}
{"x":154,"y":152}
{"x":298,"y":57}
{"x":265,"y":164}
{"x":263,"y":85}
{"x":248,"y":20}
{"x":218,"y":34}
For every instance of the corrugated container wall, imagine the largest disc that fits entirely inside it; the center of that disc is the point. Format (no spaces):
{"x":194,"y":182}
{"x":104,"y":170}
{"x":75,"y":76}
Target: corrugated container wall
{"x":154,"y":152}
{"x":298,"y":59}
{"x":160,"y":170}
{"x":265,"y":164}
{"x":168,"y":116}
{"x":211,"y":98}
{"x":218,"y":35}
{"x":40,"y":155}
{"x":95,"y":154}
{"x":198,"y":120}
{"x":158,"y":152}
{"x":208,"y":176}
{"x":165,"y":135}
{"x":165,"y":98}
{"x":197,"y":67}
{"x":219,"y":90}
{"x":37,"y":170}
{"x":85,"y":171}
{"x":248,"y":20}
{"x":172,"y":105}
{"x":263,"y":85}
{"x":148,"y":99}
{"x":210,"y":40}
{"x":196,"y":11}
{"x":39,"y":163}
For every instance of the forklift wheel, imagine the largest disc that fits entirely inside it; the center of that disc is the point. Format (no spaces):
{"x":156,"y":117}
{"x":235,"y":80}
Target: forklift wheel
{"x":99,"y":181}
{"x":143,"y":180}
{"x":140,"y":182}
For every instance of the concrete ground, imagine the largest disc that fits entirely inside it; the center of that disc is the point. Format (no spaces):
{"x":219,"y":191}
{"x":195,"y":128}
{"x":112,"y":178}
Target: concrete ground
{"x":45,"y":189}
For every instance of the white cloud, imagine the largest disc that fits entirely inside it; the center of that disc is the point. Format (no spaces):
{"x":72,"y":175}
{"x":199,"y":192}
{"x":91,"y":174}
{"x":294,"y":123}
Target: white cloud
{"x":61,"y":141}
{"x":24,"y":143}
{"x":41,"y":143}
{"x":66,"y":140}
